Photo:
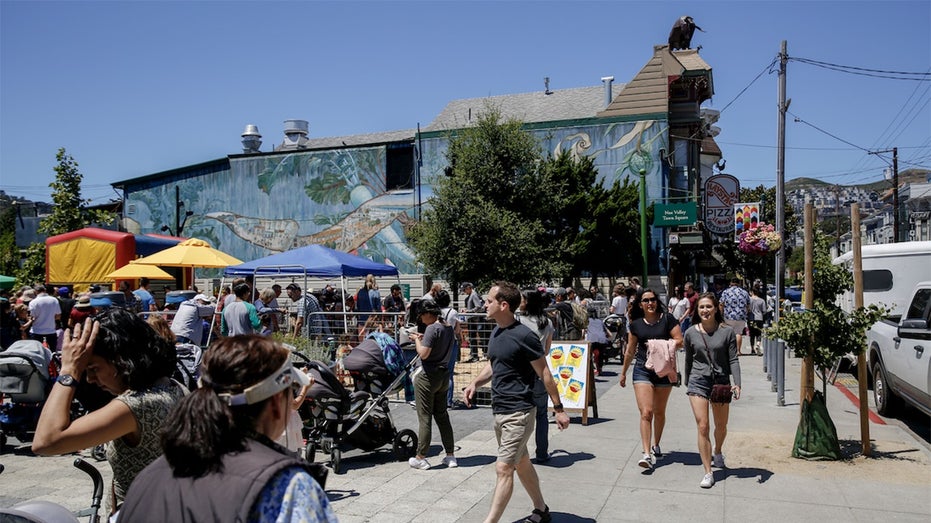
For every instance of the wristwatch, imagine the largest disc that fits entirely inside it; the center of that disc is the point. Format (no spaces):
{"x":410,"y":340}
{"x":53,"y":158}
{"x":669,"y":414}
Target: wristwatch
{"x":67,"y":380}
{"x":557,"y":407}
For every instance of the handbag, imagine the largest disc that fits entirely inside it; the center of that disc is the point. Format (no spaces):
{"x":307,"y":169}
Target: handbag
{"x":720,"y":392}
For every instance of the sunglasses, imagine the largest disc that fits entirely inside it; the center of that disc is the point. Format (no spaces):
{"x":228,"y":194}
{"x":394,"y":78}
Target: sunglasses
{"x":649,"y":300}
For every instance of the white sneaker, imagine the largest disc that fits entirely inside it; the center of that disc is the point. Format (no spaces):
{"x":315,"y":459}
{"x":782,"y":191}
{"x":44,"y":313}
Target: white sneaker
{"x":421,"y":464}
{"x":717,"y":461}
{"x":450,"y":462}
{"x":646,"y":462}
{"x":707,"y":481}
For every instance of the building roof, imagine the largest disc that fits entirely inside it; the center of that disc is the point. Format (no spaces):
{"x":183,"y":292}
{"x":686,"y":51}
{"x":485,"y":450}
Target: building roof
{"x":559,"y":105}
{"x":332,"y":142}
{"x":648,"y":92}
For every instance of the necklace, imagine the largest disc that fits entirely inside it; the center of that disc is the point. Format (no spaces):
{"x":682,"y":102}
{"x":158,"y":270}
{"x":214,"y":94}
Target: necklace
{"x":658,"y":317}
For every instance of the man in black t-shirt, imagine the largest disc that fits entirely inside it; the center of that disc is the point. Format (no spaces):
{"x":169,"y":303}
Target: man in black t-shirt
{"x":516,"y":359}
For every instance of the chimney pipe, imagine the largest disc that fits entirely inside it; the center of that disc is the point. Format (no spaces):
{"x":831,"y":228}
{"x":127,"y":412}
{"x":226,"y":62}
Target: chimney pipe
{"x":251,"y":139}
{"x":608,"y":83}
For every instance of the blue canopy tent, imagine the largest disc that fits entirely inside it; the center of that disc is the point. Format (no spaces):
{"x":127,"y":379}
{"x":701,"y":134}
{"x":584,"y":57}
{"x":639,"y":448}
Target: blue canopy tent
{"x":313,"y":261}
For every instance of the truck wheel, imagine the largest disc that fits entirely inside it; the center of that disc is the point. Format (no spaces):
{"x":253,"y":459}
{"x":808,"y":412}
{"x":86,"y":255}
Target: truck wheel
{"x":884,"y":398}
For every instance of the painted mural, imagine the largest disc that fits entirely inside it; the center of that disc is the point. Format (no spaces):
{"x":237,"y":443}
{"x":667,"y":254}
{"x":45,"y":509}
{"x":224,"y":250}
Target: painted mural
{"x":273,"y":203}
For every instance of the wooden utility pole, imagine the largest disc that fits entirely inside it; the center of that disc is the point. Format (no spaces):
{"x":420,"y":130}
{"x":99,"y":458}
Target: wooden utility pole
{"x":807,"y":388}
{"x":858,"y":302}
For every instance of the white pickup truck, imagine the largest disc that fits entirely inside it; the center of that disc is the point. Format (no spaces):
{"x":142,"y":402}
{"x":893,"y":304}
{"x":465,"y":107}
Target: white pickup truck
{"x":899,"y":355}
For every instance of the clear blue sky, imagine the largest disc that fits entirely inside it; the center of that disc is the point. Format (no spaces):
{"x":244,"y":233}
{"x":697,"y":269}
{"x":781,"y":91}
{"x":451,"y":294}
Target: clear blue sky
{"x":134,"y":88}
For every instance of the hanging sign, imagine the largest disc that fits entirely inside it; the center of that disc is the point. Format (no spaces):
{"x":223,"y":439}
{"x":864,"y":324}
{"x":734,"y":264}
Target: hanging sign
{"x":746,"y":217}
{"x":570,"y":365}
{"x":722,"y":191}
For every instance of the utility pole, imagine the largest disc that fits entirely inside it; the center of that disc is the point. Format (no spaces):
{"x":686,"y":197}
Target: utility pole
{"x":895,"y":190}
{"x":866,"y":449}
{"x":837,"y":218}
{"x":807,"y":387}
{"x":780,"y":177}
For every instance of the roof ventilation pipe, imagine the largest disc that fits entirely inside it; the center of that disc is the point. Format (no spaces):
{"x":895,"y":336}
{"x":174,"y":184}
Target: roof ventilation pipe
{"x":295,"y":132}
{"x":251,"y":139}
{"x":609,"y":83}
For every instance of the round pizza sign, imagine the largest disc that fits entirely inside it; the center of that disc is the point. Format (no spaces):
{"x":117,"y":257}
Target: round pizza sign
{"x":721,"y":193}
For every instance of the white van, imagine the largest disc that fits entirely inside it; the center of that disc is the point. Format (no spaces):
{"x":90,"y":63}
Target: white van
{"x":890,"y":272}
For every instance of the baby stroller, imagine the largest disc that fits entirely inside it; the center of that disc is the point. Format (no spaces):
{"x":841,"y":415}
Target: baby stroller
{"x":616,"y":324}
{"x":25,"y":380}
{"x":339,"y":419}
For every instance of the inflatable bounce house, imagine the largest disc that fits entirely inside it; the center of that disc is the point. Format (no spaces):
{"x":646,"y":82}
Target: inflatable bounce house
{"x":86,"y":256}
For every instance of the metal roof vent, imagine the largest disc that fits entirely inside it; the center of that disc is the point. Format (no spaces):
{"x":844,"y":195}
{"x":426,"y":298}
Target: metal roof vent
{"x":251,"y":139}
{"x":295,"y":132}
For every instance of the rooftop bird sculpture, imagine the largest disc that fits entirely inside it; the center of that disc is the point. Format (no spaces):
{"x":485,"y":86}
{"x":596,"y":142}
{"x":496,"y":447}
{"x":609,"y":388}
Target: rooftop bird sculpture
{"x":681,"y":35}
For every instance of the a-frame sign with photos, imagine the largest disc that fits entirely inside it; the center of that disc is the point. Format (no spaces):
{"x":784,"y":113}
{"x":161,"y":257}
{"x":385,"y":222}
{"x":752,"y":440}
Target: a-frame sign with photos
{"x":570,"y":363}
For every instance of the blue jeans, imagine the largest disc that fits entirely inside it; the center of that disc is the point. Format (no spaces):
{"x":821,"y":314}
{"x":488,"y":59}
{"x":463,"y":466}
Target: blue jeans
{"x":542,"y":429}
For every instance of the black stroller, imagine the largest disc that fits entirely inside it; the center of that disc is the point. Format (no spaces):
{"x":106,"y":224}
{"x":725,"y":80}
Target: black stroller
{"x":616,"y":324}
{"x":338,"y":420}
{"x":25,"y":380}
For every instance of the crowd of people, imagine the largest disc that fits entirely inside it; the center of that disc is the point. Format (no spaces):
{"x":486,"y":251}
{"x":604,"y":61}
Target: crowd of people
{"x":178,"y":449}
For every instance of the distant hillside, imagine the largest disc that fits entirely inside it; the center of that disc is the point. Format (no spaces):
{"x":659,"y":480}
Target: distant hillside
{"x":906,"y":176}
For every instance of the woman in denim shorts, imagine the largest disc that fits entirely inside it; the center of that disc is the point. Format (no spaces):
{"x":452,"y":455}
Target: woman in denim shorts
{"x":649,"y":321}
{"x":710,"y":356}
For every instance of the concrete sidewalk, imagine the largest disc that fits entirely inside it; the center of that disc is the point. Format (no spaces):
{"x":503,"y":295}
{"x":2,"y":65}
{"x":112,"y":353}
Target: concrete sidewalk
{"x":594,"y":476}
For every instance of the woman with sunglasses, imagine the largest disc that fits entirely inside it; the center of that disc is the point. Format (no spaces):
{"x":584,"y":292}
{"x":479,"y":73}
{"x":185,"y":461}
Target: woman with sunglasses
{"x":649,"y":321}
{"x":220,"y":463}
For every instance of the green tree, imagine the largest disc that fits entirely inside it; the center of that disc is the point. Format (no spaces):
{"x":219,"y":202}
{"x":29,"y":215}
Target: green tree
{"x":69,"y":213}
{"x":485,"y":220}
{"x":9,"y":253}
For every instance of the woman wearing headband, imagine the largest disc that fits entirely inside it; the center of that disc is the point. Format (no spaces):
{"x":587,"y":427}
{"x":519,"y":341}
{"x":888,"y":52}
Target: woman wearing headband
{"x":220,"y":463}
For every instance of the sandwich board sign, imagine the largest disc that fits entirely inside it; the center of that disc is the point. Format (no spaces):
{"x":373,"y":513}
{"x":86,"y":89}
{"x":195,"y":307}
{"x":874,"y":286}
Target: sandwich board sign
{"x":722,"y":191}
{"x":570,"y":364}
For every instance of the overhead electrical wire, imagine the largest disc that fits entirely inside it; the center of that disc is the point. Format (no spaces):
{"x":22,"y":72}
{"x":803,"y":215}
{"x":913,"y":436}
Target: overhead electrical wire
{"x":863,"y":71}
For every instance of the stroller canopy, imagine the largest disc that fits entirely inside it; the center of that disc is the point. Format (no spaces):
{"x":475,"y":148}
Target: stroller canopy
{"x":378,"y":353}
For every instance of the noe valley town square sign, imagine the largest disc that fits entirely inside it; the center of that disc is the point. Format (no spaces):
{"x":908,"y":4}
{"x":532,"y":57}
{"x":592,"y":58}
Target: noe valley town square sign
{"x":673,"y":214}
{"x":721,"y":193}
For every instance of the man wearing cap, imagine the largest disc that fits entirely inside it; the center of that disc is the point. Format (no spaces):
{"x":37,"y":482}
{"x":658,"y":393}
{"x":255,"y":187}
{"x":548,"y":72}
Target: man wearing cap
{"x":81,"y":311}
{"x":188,"y":323}
{"x":45,"y":311}
{"x":472,"y":303}
{"x":309,"y":321}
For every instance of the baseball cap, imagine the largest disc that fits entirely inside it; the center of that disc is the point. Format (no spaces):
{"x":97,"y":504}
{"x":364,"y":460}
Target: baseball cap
{"x":202,"y":297}
{"x":293,"y":287}
{"x":561,"y":291}
{"x":63,"y":291}
{"x":465,"y":285}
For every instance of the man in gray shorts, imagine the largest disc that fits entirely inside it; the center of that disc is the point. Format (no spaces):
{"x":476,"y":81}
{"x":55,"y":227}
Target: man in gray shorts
{"x":516,"y":359}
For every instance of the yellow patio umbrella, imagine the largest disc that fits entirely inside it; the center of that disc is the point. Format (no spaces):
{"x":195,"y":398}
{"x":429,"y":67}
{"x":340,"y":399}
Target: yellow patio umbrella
{"x":134,"y":271}
{"x":190,"y":253}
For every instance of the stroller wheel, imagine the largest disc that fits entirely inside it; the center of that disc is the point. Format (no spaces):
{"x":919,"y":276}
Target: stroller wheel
{"x":405,"y":444}
{"x":336,"y":458}
{"x":310,"y":450}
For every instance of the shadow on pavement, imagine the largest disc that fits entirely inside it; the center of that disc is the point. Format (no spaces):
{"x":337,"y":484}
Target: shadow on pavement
{"x":748,"y":472}
{"x":560,"y":458}
{"x":336,"y":495}
{"x":562,"y":517}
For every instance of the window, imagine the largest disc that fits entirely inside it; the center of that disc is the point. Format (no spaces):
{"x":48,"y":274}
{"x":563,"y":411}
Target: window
{"x":400,"y":169}
{"x":879,"y":280}
{"x":917,"y":309}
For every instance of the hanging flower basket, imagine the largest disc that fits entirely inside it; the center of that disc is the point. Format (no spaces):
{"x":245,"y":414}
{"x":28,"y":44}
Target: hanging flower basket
{"x":760,"y":241}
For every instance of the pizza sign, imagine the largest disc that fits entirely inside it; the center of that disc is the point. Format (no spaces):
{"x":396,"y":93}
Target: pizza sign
{"x":721,"y":193}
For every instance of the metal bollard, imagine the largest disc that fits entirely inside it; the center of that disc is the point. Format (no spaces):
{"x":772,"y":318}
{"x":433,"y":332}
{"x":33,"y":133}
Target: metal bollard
{"x":765,"y":344}
{"x":780,"y":373}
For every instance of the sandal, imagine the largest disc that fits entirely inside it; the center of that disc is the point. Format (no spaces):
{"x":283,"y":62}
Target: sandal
{"x":539,"y":516}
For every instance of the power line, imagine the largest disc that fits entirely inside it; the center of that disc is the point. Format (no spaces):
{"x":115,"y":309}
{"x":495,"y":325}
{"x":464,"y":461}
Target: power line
{"x":862,"y":71}
{"x":799,"y":119}
{"x":768,"y":68}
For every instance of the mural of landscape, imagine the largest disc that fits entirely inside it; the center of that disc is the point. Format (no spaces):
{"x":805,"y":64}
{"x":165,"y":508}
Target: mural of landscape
{"x":272,"y":203}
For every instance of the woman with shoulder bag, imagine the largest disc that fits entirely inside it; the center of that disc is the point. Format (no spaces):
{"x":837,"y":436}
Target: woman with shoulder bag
{"x":710,"y":364}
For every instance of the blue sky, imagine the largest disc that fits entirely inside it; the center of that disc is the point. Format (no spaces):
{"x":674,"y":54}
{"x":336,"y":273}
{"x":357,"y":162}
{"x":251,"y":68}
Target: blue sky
{"x":134,"y":88}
